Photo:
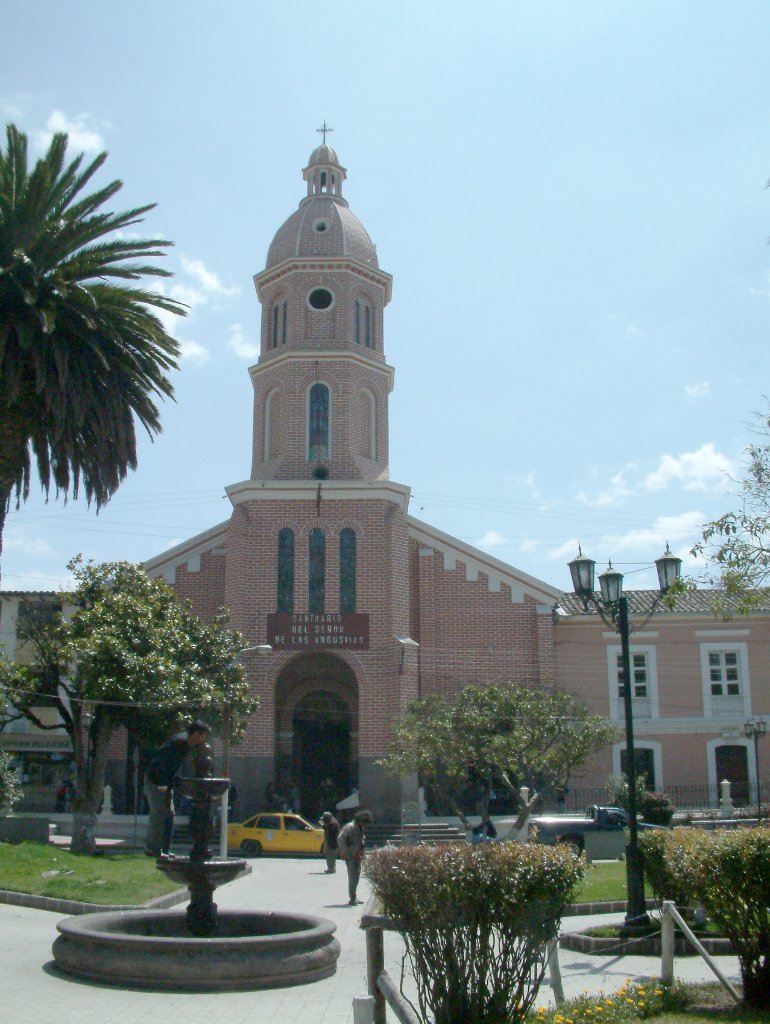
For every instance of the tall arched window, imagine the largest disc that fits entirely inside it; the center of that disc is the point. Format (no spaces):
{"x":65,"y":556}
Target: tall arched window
{"x":278,"y":326}
{"x":368,"y":424}
{"x":270,"y":447}
{"x":318,"y":423}
{"x":285,"y":602}
{"x":363,"y":324}
{"x":316,"y":582}
{"x":347,"y":570}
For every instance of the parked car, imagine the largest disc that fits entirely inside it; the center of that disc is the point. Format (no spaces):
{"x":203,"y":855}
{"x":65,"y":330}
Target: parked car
{"x":274,"y":833}
{"x":601,"y":832}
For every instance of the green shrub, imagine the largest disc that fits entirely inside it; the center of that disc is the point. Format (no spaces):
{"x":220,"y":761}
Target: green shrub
{"x":666,"y":857}
{"x":729,"y":872}
{"x":476,"y":921}
{"x":656,"y":808}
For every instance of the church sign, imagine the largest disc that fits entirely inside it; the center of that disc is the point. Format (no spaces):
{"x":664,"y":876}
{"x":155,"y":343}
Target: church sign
{"x":302,"y":632}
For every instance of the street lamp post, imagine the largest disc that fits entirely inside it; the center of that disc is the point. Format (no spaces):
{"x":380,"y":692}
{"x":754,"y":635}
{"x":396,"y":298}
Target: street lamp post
{"x":612,"y":605}
{"x":753,"y":731}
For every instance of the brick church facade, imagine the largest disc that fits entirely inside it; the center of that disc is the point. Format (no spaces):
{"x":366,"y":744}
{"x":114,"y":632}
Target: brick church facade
{"x":359,"y":607}
{"x":364,"y":607}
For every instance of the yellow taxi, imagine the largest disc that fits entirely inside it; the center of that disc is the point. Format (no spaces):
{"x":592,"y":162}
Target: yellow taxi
{"x":274,"y":833}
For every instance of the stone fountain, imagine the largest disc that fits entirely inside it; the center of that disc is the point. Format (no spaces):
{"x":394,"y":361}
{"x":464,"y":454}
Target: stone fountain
{"x":202,"y":949}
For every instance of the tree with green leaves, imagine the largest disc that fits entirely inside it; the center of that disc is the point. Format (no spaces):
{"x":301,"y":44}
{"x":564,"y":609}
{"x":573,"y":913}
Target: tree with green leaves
{"x":10,"y":787}
{"x":737,"y":544}
{"x":132,"y":654}
{"x":499,"y":735}
{"x":81,"y":352}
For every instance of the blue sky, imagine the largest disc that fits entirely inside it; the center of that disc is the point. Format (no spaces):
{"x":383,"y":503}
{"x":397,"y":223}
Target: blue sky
{"x":570,"y":197}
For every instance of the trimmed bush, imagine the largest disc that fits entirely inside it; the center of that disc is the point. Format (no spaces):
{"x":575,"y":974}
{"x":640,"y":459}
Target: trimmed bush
{"x":476,"y":921}
{"x":666,"y":857}
{"x":729,"y":872}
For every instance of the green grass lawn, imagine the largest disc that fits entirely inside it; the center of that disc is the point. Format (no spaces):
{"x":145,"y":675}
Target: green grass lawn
{"x":109,"y":878}
{"x":604,"y":881}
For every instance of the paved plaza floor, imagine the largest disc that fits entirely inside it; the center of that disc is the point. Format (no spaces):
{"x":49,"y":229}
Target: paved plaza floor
{"x":32,"y":991}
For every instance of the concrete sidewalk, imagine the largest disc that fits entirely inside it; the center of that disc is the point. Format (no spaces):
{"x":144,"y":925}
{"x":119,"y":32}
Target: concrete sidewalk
{"x":32,"y":991}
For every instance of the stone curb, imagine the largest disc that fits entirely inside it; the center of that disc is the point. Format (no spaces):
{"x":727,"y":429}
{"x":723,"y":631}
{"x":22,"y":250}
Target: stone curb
{"x":61,"y":906}
{"x":611,"y":907}
{"x":649,"y":945}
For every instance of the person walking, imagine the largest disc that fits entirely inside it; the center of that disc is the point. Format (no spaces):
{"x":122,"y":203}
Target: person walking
{"x":159,"y":782}
{"x":331,"y":829}
{"x":350,"y":842}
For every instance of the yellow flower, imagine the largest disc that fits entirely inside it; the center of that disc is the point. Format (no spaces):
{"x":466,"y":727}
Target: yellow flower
{"x":658,"y":991}
{"x":640,"y":1003}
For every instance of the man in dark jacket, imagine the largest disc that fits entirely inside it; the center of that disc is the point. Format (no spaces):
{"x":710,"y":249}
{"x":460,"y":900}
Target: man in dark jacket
{"x":165,"y":763}
{"x":350,"y":842}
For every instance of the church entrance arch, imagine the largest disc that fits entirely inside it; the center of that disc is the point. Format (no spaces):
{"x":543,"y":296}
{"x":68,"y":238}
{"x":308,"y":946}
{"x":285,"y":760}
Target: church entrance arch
{"x":317,"y":732}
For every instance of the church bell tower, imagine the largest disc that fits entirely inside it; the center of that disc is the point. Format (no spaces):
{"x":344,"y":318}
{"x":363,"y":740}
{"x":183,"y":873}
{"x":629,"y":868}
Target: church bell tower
{"x":321,"y":385}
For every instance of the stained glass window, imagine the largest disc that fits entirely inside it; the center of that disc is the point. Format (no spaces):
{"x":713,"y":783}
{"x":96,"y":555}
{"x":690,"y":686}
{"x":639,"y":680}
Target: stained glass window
{"x":316,"y":583}
{"x":286,"y":570}
{"x":347,"y":570}
{"x":318,"y":426}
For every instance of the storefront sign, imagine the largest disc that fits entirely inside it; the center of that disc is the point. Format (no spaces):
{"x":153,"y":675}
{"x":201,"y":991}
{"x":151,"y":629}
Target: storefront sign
{"x":24,"y":741}
{"x":318,"y":632}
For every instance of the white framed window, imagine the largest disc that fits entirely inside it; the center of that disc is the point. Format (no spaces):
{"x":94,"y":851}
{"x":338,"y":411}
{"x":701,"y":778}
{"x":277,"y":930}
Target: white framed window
{"x":644,"y":682}
{"x":725,"y":679}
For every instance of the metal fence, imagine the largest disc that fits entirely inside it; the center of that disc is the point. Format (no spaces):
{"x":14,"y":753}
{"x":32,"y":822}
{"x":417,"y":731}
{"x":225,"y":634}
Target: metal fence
{"x":43,"y":800}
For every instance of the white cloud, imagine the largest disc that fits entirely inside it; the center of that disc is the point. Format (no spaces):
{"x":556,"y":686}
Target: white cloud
{"x":82,"y":137}
{"x":683,"y":530}
{"x":491,"y":539}
{"x":694,"y":471}
{"x":11,"y":110}
{"x":566,"y":551}
{"x":613,"y":494}
{"x":16,"y":539}
{"x":194,"y":353}
{"x":532,"y":487}
{"x":762,"y":293}
{"x":697,"y":390}
{"x":632,"y":331}
{"x":207,"y":279}
{"x":240,"y":344}
{"x":188,"y":294}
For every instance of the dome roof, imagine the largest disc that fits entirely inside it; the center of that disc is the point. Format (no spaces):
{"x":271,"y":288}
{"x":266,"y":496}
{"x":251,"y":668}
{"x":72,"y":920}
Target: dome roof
{"x":323,"y":226}
{"x":323,"y":154}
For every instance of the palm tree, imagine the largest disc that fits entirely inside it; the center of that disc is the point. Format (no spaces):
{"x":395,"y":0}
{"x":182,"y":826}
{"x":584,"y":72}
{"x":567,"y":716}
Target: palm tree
{"x":81,"y":352}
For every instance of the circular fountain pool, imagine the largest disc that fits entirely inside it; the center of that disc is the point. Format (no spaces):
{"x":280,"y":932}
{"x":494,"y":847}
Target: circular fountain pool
{"x":154,"y":949}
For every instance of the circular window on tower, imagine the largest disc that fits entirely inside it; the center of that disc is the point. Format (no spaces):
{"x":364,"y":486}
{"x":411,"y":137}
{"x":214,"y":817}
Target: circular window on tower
{"x":320,"y":298}
{"x":320,"y":225}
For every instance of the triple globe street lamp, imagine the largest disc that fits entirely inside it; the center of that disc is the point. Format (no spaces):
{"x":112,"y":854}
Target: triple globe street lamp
{"x":612,"y":605}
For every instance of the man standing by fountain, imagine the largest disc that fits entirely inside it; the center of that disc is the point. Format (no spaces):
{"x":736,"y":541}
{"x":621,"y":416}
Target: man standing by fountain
{"x":350,"y":843}
{"x":158,"y":782}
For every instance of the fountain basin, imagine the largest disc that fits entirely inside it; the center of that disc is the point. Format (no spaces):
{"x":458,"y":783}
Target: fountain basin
{"x":153,"y":949}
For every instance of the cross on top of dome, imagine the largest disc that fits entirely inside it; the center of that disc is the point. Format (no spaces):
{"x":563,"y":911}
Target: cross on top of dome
{"x":324,"y":130}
